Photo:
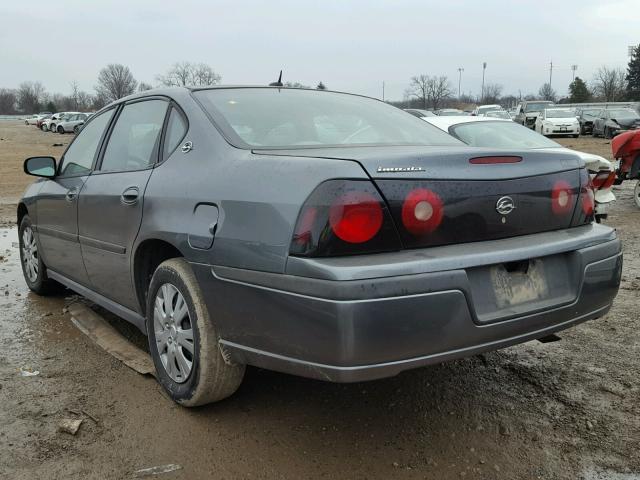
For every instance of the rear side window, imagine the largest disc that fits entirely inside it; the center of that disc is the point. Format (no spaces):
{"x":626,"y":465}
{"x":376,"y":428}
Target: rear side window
{"x":176,"y":130}
{"x":134,"y":140}
{"x":78,"y":158}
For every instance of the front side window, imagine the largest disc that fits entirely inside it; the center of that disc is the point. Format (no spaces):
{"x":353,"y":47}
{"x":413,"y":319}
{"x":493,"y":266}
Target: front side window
{"x":78,"y":158}
{"x":296,"y":118}
{"x":134,"y":139}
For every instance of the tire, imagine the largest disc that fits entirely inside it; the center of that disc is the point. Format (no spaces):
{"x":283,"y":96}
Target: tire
{"x":607,"y":133}
{"x":52,"y":127}
{"x":209,"y":378}
{"x":76,"y":129}
{"x":636,"y":193}
{"x":575,"y":135}
{"x":33,"y":269}
{"x":60,"y":129}
{"x":26,"y":122}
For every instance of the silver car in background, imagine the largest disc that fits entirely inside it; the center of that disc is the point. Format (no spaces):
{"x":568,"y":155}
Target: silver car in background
{"x":72,"y":122}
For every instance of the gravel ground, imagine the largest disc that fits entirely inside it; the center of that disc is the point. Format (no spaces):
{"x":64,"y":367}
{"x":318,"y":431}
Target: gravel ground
{"x":562,"y":410}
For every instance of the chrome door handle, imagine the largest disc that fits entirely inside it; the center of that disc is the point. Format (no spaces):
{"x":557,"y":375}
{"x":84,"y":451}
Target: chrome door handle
{"x":130,"y":196}
{"x":72,"y":194}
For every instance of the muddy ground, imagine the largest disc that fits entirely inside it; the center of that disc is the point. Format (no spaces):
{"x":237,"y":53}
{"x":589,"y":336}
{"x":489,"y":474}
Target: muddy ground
{"x":563,"y":410}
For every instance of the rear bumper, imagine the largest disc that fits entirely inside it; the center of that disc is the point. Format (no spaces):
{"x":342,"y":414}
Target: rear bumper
{"x":361,"y":318}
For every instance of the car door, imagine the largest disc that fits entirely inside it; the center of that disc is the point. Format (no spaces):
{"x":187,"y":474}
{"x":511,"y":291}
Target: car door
{"x":110,"y":207}
{"x":57,"y":202}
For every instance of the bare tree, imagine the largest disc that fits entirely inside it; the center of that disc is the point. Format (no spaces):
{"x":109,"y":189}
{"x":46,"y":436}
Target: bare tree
{"x":295,"y":85}
{"x":492,"y":92}
{"x":143,"y":86}
{"x":546,"y":92}
{"x":419,"y":89}
{"x":75,"y":92}
{"x":439,"y":89}
{"x":609,"y":84}
{"x":182,"y":74}
{"x":115,"y":81}
{"x":8,"y":101}
{"x":429,"y":90}
{"x":31,"y":95}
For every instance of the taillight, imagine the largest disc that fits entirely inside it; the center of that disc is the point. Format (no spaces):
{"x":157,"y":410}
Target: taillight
{"x":603,"y":180}
{"x":344,"y":217}
{"x":588,"y":201}
{"x":422,"y":211}
{"x":356,"y":217}
{"x":562,"y":198}
{"x":585,"y":211}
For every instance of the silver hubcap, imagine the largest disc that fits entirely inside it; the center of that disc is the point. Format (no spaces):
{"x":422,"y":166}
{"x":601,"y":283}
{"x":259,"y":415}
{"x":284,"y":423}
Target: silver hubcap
{"x":173,"y":332}
{"x":30,"y":254}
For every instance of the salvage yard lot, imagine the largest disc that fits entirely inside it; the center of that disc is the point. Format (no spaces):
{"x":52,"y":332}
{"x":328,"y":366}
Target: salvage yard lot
{"x":560,"y":410}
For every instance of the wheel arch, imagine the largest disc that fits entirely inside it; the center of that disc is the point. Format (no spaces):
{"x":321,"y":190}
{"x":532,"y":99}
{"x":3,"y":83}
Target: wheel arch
{"x":21,"y":212}
{"x":150,"y":253}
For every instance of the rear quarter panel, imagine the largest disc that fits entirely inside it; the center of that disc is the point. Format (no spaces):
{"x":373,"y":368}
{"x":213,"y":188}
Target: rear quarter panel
{"x":258,"y":197}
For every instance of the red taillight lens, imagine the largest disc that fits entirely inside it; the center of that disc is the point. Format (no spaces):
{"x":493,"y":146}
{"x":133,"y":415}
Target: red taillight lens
{"x":356,"y":217}
{"x":603,"y":180}
{"x":562,"y":198}
{"x":422,"y":211}
{"x":588,"y":201}
{"x":344,"y":217}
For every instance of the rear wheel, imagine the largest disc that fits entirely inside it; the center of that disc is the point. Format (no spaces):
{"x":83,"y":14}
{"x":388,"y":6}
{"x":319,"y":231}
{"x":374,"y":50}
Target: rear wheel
{"x":60,"y":129}
{"x":33,"y":269}
{"x":636,"y":193}
{"x":183,"y":339}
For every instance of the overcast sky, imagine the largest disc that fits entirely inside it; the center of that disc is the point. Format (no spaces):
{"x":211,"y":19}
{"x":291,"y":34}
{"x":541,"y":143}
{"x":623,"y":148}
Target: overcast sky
{"x":350,"y":45}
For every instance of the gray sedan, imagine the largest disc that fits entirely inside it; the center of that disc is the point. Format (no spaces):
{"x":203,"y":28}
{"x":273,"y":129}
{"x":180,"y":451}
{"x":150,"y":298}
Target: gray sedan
{"x":310,"y":232}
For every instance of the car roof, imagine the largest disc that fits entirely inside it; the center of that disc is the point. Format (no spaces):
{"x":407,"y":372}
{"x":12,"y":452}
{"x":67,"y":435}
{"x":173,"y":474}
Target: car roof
{"x":443,"y":123}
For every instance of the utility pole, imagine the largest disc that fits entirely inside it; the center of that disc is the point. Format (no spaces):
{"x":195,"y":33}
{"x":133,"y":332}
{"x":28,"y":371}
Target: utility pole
{"x":484,"y":67}
{"x":573,"y":72}
{"x":550,"y":72}
{"x":460,"y":70}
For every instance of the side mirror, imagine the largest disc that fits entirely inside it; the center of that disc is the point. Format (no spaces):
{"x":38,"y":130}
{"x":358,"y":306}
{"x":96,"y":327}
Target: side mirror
{"x":40,"y":167}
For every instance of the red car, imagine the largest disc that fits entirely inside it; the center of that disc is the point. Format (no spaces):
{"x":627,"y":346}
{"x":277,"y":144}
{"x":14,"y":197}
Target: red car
{"x":626,"y":148}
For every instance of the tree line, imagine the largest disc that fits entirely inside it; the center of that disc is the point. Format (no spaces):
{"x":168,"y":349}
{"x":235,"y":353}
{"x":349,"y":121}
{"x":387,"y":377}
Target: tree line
{"x":607,"y":85}
{"x":114,"y":81}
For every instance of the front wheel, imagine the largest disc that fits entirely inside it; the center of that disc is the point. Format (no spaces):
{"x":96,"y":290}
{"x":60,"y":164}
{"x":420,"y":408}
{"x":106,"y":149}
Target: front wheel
{"x":183,"y":339}
{"x":636,"y":193}
{"x":60,"y":129}
{"x":33,"y":269}
{"x":43,"y":127}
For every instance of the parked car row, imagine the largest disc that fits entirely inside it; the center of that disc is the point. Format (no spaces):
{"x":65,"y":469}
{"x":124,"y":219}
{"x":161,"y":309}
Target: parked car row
{"x":315,"y":233}
{"x":61,"y":122}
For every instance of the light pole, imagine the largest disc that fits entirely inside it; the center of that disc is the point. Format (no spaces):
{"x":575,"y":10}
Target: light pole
{"x":573,"y":72}
{"x":460,"y":70}
{"x":484,"y":67}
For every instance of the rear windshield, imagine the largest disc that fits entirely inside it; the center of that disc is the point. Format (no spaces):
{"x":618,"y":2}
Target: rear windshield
{"x":500,"y":135}
{"x":295,"y":118}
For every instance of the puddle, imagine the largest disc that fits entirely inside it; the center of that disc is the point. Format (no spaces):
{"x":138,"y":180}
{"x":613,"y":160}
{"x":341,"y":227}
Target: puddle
{"x":25,"y":318}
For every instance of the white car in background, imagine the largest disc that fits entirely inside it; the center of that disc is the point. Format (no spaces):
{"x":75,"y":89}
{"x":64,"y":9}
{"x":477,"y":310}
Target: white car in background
{"x":482,"y":109}
{"x":51,"y":124}
{"x":557,"y":121}
{"x":499,"y":133}
{"x":32,"y":120}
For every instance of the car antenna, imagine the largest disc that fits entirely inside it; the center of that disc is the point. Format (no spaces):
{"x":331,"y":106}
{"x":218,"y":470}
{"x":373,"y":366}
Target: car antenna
{"x":278,"y":83}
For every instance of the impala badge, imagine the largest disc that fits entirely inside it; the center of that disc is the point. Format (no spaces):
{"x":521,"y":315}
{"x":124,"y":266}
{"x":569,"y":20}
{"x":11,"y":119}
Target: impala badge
{"x":505,"y":205}
{"x":399,"y":169}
